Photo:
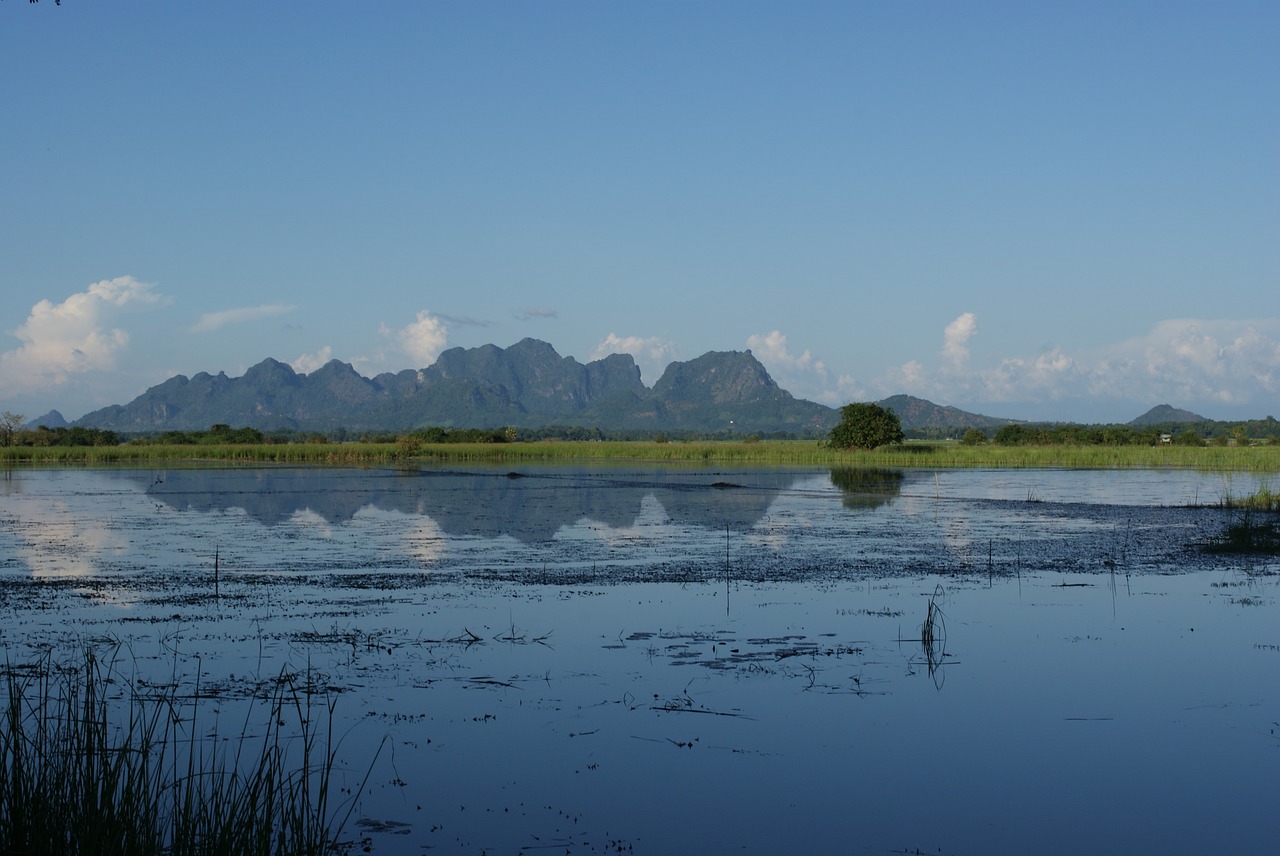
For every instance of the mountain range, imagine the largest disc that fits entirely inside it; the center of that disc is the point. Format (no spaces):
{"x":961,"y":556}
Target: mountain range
{"x":525,"y":385}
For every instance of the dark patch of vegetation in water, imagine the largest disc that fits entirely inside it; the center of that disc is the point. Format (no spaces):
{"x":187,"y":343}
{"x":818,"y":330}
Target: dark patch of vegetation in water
{"x":1252,"y":533}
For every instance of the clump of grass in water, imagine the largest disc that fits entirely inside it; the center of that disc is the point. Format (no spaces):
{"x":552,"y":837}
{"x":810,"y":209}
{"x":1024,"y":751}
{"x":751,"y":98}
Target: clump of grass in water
{"x":1266,"y":499}
{"x":79,"y":776}
{"x":1248,"y":535}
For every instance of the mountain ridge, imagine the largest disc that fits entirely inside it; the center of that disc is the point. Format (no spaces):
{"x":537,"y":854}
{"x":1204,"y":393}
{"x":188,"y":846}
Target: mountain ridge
{"x":919,"y":413}
{"x":526,"y":385}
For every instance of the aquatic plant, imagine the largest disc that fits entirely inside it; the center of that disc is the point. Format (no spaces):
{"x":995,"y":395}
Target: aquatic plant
{"x":933,"y":636}
{"x":933,"y":632}
{"x":84,"y":770}
{"x":1266,"y":498}
{"x":1252,"y":532}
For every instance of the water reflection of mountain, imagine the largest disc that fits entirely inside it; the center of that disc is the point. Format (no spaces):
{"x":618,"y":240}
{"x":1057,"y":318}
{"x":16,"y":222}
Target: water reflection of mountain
{"x":531,"y":505}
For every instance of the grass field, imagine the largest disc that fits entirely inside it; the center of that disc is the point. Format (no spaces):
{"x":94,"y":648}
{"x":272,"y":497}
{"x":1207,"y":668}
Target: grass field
{"x":806,"y":452}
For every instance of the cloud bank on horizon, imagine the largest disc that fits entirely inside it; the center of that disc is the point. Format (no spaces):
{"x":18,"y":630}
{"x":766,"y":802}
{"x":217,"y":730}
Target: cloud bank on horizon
{"x":73,"y":346}
{"x":1216,"y":365}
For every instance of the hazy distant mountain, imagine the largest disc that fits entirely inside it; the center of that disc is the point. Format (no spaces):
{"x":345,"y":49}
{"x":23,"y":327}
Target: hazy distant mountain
{"x":52,"y":419}
{"x":916,"y":413}
{"x":718,"y":391}
{"x":1163,"y":414}
{"x":526,"y":385}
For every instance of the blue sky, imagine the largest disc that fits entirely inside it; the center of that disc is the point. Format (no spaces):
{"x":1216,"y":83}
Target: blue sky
{"x":1052,"y":211}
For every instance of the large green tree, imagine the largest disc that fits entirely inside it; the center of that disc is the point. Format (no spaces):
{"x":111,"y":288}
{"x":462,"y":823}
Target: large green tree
{"x":865,"y":426}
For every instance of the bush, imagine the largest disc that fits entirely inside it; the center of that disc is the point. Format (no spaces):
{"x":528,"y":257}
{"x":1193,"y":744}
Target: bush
{"x":866,"y":426}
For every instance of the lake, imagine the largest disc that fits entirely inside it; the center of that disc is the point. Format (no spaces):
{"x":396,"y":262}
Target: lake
{"x":692,"y":660}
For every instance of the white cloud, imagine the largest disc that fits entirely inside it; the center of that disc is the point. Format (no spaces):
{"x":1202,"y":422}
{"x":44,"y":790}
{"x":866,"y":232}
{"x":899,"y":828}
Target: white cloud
{"x":307,"y":363}
{"x":955,"y":340}
{"x":908,"y":377}
{"x":771,"y":349}
{"x":651,"y":354}
{"x":211,"y":321}
{"x":536,"y":312}
{"x":1181,"y":361}
{"x":1258,"y":357}
{"x":1209,"y":360}
{"x":847,"y":389}
{"x":423,"y":340}
{"x":800,"y":374}
{"x":73,"y":337}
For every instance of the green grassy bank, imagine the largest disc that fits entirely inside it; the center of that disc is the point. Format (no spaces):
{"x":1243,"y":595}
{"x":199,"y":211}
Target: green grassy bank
{"x":805,"y":452}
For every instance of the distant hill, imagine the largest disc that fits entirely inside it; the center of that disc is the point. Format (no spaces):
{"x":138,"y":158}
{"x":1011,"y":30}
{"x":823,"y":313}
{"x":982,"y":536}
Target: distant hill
{"x":1164,"y":414}
{"x":917,"y":413}
{"x":527,"y":385}
{"x":52,"y":419}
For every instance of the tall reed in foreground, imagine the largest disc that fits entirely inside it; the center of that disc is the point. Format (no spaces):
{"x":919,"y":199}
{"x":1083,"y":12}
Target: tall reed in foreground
{"x":82,"y":773}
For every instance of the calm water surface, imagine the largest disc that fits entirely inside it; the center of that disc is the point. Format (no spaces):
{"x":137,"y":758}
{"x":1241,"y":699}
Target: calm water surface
{"x":686,"y":660}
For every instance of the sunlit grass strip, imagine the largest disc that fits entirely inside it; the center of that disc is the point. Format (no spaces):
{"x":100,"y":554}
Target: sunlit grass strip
{"x":938,"y":455}
{"x":83,"y":774}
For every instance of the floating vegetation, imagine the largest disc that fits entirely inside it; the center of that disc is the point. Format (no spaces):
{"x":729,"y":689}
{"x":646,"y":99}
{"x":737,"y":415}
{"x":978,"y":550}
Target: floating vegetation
{"x":882,"y":612}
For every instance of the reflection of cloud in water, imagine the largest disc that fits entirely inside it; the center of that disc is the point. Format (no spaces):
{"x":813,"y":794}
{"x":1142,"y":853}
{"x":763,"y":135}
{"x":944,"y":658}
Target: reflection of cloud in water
{"x":51,"y":538}
{"x":958,"y":537}
{"x":424,"y":539}
{"x":312,"y":523}
{"x":651,"y":522}
{"x":774,"y":539}
{"x":55,"y":549}
{"x":391,"y":534}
